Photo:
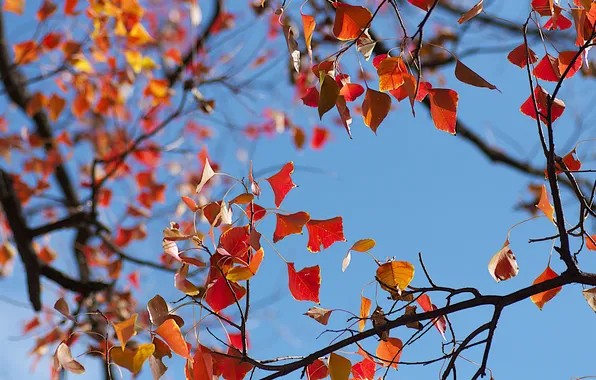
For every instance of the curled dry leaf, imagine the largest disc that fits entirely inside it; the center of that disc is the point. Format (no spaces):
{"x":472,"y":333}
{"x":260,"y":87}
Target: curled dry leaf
{"x":62,"y":307}
{"x":590,"y":296}
{"x":319,"y":314}
{"x":292,"y":47}
{"x":365,"y":45}
{"x":378,"y":320}
{"x":473,"y":12}
{"x":182,"y":284}
{"x":63,"y":359}
{"x":158,"y":310}
{"x":208,"y":173}
{"x":503,"y":265}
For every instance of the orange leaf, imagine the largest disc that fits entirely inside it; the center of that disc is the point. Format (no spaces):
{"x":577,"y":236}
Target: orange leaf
{"x":365,"y":305}
{"x":389,"y":352}
{"x":422,"y":4}
{"x":132,"y":359}
{"x":243,"y":273}
{"x":519,"y":56}
{"x":259,"y":212}
{"x":375,"y":107}
{"x":305,"y":284}
{"x":56,"y":105}
{"x":443,"y":108}
{"x":591,"y":246}
{"x":566,"y":59}
{"x":542,"y":298}
{"x":289,"y":224}
{"x":503,"y":266}
{"x":324,"y":232}
{"x":339,"y":367}
{"x":202,"y":367}
{"x":219,"y":296}
{"x":190,"y":203}
{"x":351,"y":91}
{"x":308,"y":23}
{"x":281,"y":183}
{"x":319,"y":314}
{"x":426,"y":305}
{"x":545,"y":206}
{"x":467,"y":75}
{"x":126,"y":330}
{"x":390,"y":71}
{"x":14,"y":6}
{"x":350,"y":21}
{"x":36,"y":102}
{"x":363,"y":245}
{"x":475,"y":11}
{"x":329,"y":94}
{"x":46,"y":10}
{"x":170,"y":333}
{"x":317,"y":370}
{"x":242,"y":199}
{"x":395,"y":275}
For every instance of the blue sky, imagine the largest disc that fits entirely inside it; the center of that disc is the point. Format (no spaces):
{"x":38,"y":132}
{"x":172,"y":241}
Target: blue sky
{"x":413,"y":189}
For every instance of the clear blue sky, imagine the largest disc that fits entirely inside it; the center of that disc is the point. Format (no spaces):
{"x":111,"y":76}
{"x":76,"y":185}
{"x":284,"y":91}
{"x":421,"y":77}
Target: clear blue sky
{"x":412,"y":188}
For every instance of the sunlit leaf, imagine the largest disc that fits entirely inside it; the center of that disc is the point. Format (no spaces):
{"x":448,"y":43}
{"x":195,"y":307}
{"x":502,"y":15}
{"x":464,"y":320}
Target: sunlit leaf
{"x":567,"y":59}
{"x":390,"y":71}
{"x":208,"y":173}
{"x":364,"y":369}
{"x":305,"y":284}
{"x":503,"y":266}
{"x":14,"y":6}
{"x":351,"y":91}
{"x":443,"y":108}
{"x":289,"y":224}
{"x":545,"y":206}
{"x":547,"y":69}
{"x":350,"y":21}
{"x":389,"y":352}
{"x":319,"y":137}
{"x":339,"y":367}
{"x":542,"y":298}
{"x":243,"y":273}
{"x":317,"y":370}
{"x":395,"y":275}
{"x":426,"y":305}
{"x":541,"y":96}
{"x":125,"y":330}
{"x":375,"y":107}
{"x":281,"y":182}
{"x":319,"y":314}
{"x":308,"y":24}
{"x":132,"y":359}
{"x":324,"y":233}
{"x":365,"y":305}
{"x":170,"y":333}
{"x":519,"y":56}
{"x":219,"y":296}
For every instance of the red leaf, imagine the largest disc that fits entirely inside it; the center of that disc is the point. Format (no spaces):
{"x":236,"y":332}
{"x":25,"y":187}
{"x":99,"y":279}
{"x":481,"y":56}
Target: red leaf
{"x":426,"y":305}
{"x":311,"y":98}
{"x":319,"y":137}
{"x":519,"y":57}
{"x":219,"y":296}
{"x":566,"y":59}
{"x":325,"y":233}
{"x":503,"y":266}
{"x":317,"y":370}
{"x":289,"y":224}
{"x":547,"y":69}
{"x":259,"y":212}
{"x":281,"y":183}
{"x":351,"y":91}
{"x":443,"y":108}
{"x":422,"y":4}
{"x":350,"y":20}
{"x":364,"y":370}
{"x":543,"y":7}
{"x":541,"y":99}
{"x":559,"y":22}
{"x":305,"y":284}
{"x":378,"y":59}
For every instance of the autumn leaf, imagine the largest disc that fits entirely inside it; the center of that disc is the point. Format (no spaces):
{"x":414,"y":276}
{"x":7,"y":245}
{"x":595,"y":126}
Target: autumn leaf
{"x":63,"y":359}
{"x":467,"y":75}
{"x":183,"y":284}
{"x":289,"y":224}
{"x":547,"y":69}
{"x":305,"y":284}
{"x":125,"y":330}
{"x":319,"y":314}
{"x":281,"y":182}
{"x":259,"y":212}
{"x":503,"y":266}
{"x":542,"y":298}
{"x":243,"y":273}
{"x":545,"y":206}
{"x":395,"y":275}
{"x":589,"y":245}
{"x":14,"y":6}
{"x":365,"y":305}
{"x":190,"y":203}
{"x":219,"y":296}
{"x":202,"y":365}
{"x":375,"y":107}
{"x":308,"y":24}
{"x":339,"y":367}
{"x":571,"y":60}
{"x":292,"y":47}
{"x":55,"y":106}
{"x":208,"y":173}
{"x":317,"y":370}
{"x":473,"y":12}
{"x":311,"y":97}
{"x":329,"y":94}
{"x":351,"y":91}
{"x":443,"y":109}
{"x":62,"y":307}
{"x":170,"y":333}
{"x":362,"y":245}
{"x":365,"y":45}
{"x":590,"y":296}
{"x":350,"y":21}
{"x":344,"y":114}
{"x":319,"y":137}
{"x":324,"y":233}
{"x":389,"y":352}
{"x":520,"y":56}
{"x":441,"y":322}
{"x":422,"y":4}
{"x":158,"y":310}
{"x":364,"y":369}
{"x":132,"y":359}
{"x":541,"y":96}
{"x":390,"y":72}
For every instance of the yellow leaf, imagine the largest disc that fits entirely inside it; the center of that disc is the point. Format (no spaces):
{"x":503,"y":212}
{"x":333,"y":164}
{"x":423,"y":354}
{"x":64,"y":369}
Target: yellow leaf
{"x":242,"y":273}
{"x":130,"y":359}
{"x":364,"y":311}
{"x":363,"y":245}
{"x":395,"y":275}
{"x":138,"y":62}
{"x":339,"y":367}
{"x":390,"y":72}
{"x":140,"y":34}
{"x":81,"y":63}
{"x":126,"y":330}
